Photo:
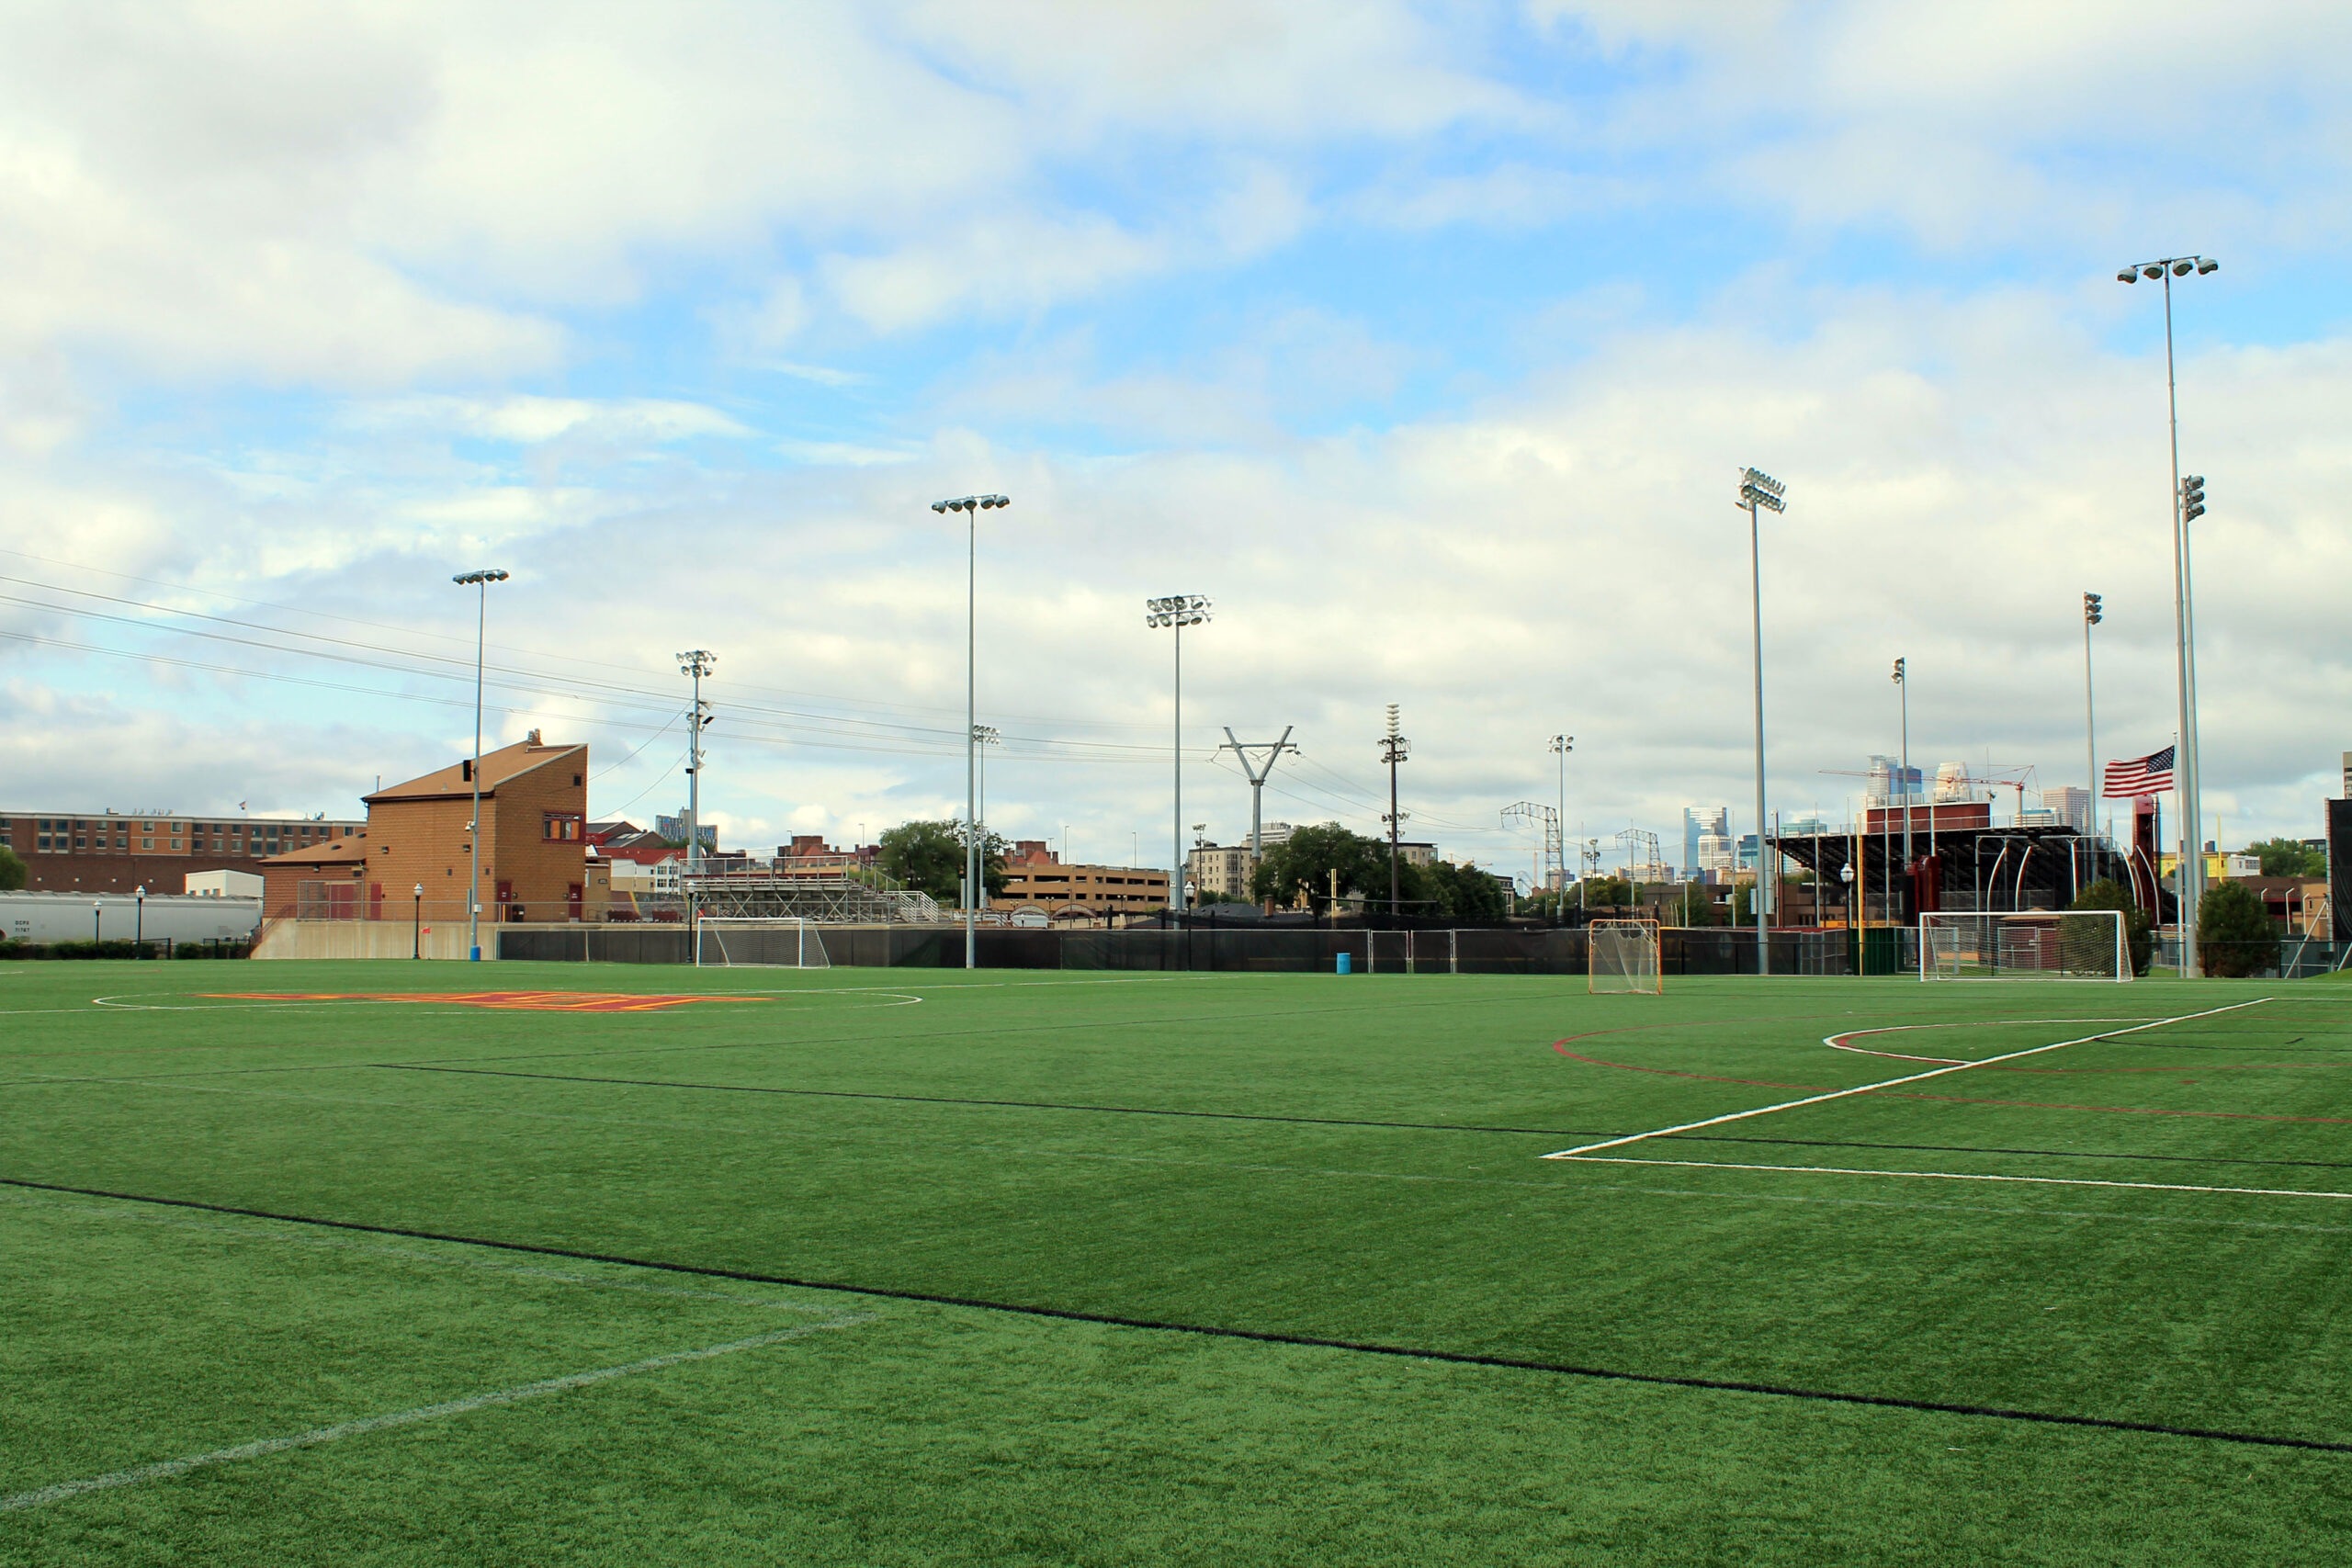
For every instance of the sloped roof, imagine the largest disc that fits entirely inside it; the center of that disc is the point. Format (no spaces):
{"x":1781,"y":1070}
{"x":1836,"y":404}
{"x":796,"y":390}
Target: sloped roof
{"x":335,"y":852}
{"x":498,"y":767}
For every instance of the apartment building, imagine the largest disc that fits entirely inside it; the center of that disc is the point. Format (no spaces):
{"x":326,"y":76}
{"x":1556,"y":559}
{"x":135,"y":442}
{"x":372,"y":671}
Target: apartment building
{"x":117,"y":851}
{"x":1035,"y":880}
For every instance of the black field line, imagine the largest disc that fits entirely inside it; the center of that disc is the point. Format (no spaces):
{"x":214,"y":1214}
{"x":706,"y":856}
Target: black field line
{"x":1250,"y":1336}
{"x":1327,"y":1121}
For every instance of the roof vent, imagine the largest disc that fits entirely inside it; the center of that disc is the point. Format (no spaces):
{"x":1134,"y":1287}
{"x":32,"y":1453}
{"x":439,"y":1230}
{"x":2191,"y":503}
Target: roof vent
{"x":533,"y":739}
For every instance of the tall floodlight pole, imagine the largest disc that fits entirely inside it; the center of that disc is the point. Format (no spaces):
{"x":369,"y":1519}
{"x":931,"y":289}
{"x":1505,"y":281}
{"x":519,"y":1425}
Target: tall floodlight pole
{"x":985,"y":736}
{"x":2188,"y":505}
{"x":1758,"y":489}
{"x":1176,"y":611}
{"x":1902,"y":686}
{"x":971,"y":506}
{"x":1561,"y":746}
{"x":1393,"y":748}
{"x":1257,"y":776}
{"x":479,"y":580}
{"x":2092,"y":615}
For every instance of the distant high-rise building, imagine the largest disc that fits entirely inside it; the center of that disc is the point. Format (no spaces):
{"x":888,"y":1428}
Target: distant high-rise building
{"x":1699,"y":826}
{"x":2069,"y":806}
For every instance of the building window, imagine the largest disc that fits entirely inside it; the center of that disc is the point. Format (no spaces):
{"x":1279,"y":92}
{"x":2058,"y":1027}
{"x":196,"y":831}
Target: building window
{"x":79,"y":842}
{"x":176,"y":843}
{"x":563,"y":826}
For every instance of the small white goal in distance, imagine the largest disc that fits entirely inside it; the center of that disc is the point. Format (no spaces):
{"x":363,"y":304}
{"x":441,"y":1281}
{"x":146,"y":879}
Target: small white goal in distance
{"x":2039,"y":945}
{"x":1622,"y":955}
{"x":758,"y":941}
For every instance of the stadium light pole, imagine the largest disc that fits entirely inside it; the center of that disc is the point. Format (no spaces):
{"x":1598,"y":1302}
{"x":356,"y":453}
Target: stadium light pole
{"x":1903,"y":686}
{"x":1758,"y":489}
{"x":2093,"y":614}
{"x":984,"y":737}
{"x":2188,"y":505}
{"x":479,"y":580}
{"x":1563,"y":745}
{"x":1393,"y":748}
{"x":971,"y":506}
{"x":1176,"y":611}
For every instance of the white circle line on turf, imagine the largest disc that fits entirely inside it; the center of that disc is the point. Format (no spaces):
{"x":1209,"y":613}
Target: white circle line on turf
{"x":1838,"y":1042}
{"x":1829,"y":1095}
{"x":1952,"y":1176}
{"x":299,"y":1001}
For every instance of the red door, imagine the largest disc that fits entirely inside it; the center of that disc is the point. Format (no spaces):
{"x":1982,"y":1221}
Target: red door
{"x":572,"y":900}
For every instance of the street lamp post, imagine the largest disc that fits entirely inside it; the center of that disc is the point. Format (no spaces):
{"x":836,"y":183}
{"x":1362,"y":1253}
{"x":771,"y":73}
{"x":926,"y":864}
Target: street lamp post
{"x":97,"y":920}
{"x":137,"y":919}
{"x":2188,"y":505}
{"x":1758,"y":489}
{"x":2092,"y":615}
{"x":1176,"y":611}
{"x":479,"y":580}
{"x":416,"y":925}
{"x":971,"y":506}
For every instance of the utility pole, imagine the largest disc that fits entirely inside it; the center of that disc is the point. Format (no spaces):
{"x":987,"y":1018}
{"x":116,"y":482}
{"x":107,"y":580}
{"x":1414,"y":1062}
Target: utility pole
{"x":1393,"y":748}
{"x":696,"y":662}
{"x":479,"y":580}
{"x":1257,"y":775}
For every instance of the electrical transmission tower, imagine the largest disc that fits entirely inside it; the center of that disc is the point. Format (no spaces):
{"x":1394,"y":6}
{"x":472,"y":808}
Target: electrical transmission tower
{"x":1637,"y":841}
{"x":1273,"y":750}
{"x":1555,"y":859}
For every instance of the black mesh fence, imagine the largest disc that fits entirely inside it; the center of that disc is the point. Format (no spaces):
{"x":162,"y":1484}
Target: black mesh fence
{"x":1214,"y":949}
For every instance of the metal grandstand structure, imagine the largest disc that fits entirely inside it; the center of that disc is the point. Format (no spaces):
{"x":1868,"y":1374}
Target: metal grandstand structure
{"x":762,"y":890}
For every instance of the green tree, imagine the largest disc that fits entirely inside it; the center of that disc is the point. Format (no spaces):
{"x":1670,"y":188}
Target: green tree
{"x":1693,"y":904}
{"x":2138,"y":932}
{"x":929,"y":857}
{"x":2233,"y":934}
{"x":1457,"y":892}
{"x":12,"y":870}
{"x":2285,"y":857}
{"x":1611,"y":890}
{"x":1304,"y":863}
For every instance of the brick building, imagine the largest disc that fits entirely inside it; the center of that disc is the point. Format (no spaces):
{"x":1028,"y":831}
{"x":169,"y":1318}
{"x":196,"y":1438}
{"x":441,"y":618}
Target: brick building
{"x":112,"y":851}
{"x":534,"y":864}
{"x":1035,"y":880}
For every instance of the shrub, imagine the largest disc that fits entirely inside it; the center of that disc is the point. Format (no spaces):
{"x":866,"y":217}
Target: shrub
{"x":2109,"y":893}
{"x":2233,"y":935}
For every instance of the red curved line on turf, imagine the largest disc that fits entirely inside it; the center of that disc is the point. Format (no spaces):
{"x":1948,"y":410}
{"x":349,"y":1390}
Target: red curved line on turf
{"x":1562,"y":1048}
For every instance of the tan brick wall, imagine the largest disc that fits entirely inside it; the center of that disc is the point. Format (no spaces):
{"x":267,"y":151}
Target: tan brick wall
{"x":421,"y":841}
{"x":413,"y":841}
{"x":541,"y":872}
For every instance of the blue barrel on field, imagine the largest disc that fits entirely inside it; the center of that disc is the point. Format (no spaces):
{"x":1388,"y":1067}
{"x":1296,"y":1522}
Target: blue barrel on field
{"x":1347,"y":963}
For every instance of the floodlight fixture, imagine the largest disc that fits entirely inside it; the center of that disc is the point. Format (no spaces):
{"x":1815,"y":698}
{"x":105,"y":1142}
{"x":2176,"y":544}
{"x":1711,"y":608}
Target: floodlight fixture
{"x":2207,"y":265}
{"x":1898,"y":672}
{"x":2128,"y":275}
{"x":972,"y":503}
{"x":2152,"y":271}
{"x":1757,"y":487}
{"x":473,"y":579}
{"x":2192,"y":497}
{"x":1176,"y":610}
{"x":2093,"y":612}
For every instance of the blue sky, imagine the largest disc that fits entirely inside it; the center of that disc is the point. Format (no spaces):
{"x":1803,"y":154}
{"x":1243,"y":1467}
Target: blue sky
{"x":1425,"y":341}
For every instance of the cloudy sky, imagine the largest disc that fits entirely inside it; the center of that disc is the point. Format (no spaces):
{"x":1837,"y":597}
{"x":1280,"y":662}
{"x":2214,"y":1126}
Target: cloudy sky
{"x":1425,"y":341}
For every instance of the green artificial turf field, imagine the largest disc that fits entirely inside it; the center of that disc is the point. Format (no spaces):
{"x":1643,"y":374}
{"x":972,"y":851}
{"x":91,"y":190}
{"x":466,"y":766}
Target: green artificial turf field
{"x":908,"y":1267}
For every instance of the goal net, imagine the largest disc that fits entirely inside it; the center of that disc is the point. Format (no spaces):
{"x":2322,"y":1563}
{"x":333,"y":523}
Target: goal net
{"x":2077,"y":944}
{"x":1624,"y":957}
{"x":739,"y":942}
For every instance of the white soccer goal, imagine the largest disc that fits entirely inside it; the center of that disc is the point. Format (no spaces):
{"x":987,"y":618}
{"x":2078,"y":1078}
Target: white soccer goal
{"x":758,"y":941}
{"x":1623,"y":956}
{"x":2074,"y":944}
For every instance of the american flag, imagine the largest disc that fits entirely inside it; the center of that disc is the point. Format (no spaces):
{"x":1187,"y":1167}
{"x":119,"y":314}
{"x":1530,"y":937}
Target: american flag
{"x":2140,"y":775}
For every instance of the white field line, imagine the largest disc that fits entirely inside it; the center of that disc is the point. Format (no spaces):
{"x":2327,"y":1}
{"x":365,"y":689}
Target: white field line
{"x":1965,"y":1176}
{"x":1838,"y":1042}
{"x":1582,"y":1150}
{"x":167,"y":1469}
